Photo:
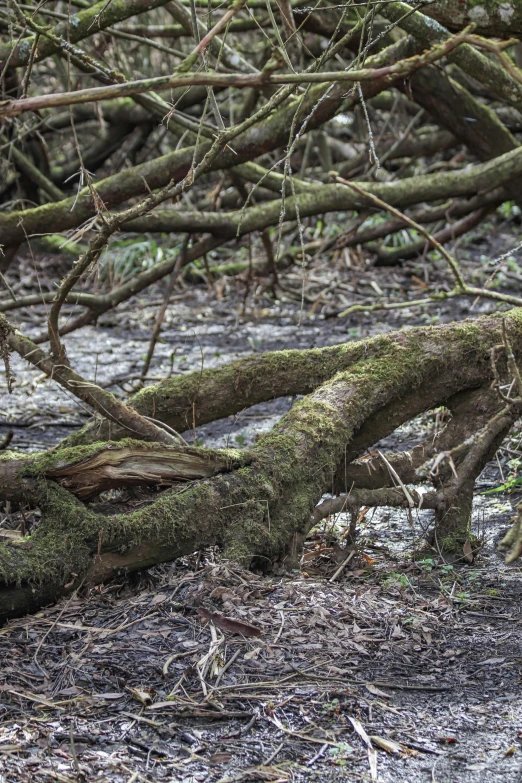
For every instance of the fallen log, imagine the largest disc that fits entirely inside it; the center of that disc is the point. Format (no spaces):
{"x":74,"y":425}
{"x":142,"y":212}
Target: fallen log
{"x":260,"y":508}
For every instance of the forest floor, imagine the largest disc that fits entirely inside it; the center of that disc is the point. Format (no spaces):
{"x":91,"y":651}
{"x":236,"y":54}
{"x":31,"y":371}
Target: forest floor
{"x":131,"y":681}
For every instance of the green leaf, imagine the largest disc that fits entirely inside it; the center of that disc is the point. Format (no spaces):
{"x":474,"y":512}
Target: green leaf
{"x":509,"y":485}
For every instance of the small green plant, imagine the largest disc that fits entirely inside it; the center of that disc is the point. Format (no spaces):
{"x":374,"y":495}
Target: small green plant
{"x":254,"y":342}
{"x":509,"y":485}
{"x":427,"y":564}
{"x":240,"y":439}
{"x":126,"y":257}
{"x":340,"y":752}
{"x":508,"y":210}
{"x":332,"y":707}
{"x":514,"y":479}
{"x":462,"y":596}
{"x":397,"y":580}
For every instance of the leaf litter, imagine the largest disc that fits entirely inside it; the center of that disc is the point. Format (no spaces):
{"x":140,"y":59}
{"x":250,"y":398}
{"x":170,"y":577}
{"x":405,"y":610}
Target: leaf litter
{"x":127,"y":680}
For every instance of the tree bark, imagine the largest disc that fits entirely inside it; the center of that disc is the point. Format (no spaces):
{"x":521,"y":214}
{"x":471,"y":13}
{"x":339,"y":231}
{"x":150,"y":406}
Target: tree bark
{"x":319,"y":199}
{"x":81,"y":25}
{"x":496,"y":18}
{"x":259,"y":505}
{"x":475,"y":63}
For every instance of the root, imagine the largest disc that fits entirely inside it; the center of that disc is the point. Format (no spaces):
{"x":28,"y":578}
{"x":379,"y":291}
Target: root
{"x":512,"y":541}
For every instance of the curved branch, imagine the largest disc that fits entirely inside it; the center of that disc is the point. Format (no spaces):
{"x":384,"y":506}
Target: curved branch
{"x":100,"y":400}
{"x":261,"y":509}
{"x":319,"y":106}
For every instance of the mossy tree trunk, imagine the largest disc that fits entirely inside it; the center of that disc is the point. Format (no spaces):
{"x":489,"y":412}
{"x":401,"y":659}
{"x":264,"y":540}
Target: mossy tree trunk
{"x":257,"y":504}
{"x":501,"y":18}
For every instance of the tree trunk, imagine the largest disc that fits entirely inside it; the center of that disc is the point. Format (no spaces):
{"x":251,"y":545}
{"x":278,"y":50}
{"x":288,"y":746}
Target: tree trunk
{"x":257,"y":505}
{"x":497,"y":18}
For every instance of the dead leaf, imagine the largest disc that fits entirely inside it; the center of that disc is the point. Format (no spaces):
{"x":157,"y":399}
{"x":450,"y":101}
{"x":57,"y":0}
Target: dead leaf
{"x":388,"y":745}
{"x":356,"y":646}
{"x":468,"y":551}
{"x":372,"y":760}
{"x":158,"y":599}
{"x":359,"y":728}
{"x":230,"y":625}
{"x":220,"y":758}
{"x":419,"y":284}
{"x":376,"y":692}
{"x":142,"y":696}
{"x":316,"y":553}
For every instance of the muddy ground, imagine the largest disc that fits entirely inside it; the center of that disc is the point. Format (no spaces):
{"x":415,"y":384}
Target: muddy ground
{"x":131,"y":682}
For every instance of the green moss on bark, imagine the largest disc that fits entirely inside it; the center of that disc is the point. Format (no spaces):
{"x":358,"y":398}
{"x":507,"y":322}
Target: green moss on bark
{"x":259,"y":509}
{"x":60,"y":548}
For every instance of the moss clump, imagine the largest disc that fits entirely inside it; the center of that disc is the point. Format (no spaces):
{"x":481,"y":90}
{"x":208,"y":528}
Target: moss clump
{"x":56,"y":243}
{"x":453,"y":543}
{"x":60,"y":547}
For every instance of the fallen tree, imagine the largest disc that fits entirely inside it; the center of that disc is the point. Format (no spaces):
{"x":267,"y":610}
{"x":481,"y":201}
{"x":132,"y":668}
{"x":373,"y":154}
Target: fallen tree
{"x":236,"y":150}
{"x":258,"y":505}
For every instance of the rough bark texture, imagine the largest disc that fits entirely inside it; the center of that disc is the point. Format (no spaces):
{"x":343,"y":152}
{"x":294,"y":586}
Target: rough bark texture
{"x":493,"y":17}
{"x":470,"y":411}
{"x":475,"y":63}
{"x":262,"y":509}
{"x":81,"y":25}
